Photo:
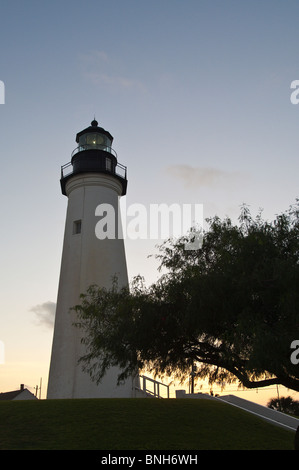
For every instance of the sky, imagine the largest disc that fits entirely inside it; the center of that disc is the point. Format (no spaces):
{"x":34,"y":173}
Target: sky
{"x":197,"y":95}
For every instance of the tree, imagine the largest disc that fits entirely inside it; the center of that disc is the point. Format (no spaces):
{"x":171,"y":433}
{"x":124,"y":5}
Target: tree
{"x":230,"y":307}
{"x":285,"y":405}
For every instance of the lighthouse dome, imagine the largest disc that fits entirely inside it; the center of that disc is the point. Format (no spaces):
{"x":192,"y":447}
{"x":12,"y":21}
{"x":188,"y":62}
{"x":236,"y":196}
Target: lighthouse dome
{"x":95,"y":130}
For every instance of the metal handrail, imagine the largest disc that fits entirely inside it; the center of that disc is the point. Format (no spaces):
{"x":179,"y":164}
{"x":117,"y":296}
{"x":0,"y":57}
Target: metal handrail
{"x":81,"y":148}
{"x":64,"y":167}
{"x":156,"y":392}
{"x":120,"y":170}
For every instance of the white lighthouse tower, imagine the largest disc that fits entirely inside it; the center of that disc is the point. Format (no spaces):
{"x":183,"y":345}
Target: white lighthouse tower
{"x":93,"y":177}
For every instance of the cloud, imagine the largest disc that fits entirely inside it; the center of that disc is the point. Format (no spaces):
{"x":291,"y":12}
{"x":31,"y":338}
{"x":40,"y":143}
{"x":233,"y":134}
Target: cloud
{"x":94,"y":57}
{"x":45,"y":313}
{"x":197,"y":176}
{"x":99,"y":69}
{"x":114,"y":81}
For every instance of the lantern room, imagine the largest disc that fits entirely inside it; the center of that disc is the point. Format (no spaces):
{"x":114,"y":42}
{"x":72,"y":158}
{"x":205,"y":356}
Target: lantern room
{"x":94,"y":154}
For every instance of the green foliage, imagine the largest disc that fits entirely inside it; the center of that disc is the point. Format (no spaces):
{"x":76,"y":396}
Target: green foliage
{"x":231,"y":307}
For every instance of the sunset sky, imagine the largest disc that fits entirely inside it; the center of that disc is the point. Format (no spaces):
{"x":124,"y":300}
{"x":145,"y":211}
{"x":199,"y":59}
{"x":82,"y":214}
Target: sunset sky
{"x":196,"y":94}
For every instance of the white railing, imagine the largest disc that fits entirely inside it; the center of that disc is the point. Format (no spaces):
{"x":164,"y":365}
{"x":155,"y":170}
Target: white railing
{"x":151,"y":387}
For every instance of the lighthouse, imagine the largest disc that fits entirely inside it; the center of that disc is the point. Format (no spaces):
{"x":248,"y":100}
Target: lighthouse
{"x":92,"y":177}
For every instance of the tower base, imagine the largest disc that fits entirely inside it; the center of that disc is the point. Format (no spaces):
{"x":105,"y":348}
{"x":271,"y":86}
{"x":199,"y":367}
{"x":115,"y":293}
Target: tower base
{"x":84,"y":387}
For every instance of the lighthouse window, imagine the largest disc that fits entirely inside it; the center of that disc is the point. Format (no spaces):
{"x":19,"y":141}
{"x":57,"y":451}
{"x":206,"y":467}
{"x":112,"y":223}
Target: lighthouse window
{"x":82,"y":139}
{"x":95,"y":140}
{"x":108,"y":164}
{"x":91,"y":139}
{"x":77,"y":227}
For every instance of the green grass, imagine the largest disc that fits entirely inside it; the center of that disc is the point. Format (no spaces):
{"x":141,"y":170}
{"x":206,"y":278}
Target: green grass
{"x":135,"y":424}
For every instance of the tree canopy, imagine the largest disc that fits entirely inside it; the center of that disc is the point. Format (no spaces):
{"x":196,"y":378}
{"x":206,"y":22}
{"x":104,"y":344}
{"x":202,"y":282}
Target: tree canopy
{"x":285,"y":405}
{"x":230,"y":307}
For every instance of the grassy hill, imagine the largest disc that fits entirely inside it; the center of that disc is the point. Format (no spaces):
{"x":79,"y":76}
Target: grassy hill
{"x":135,"y":424}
